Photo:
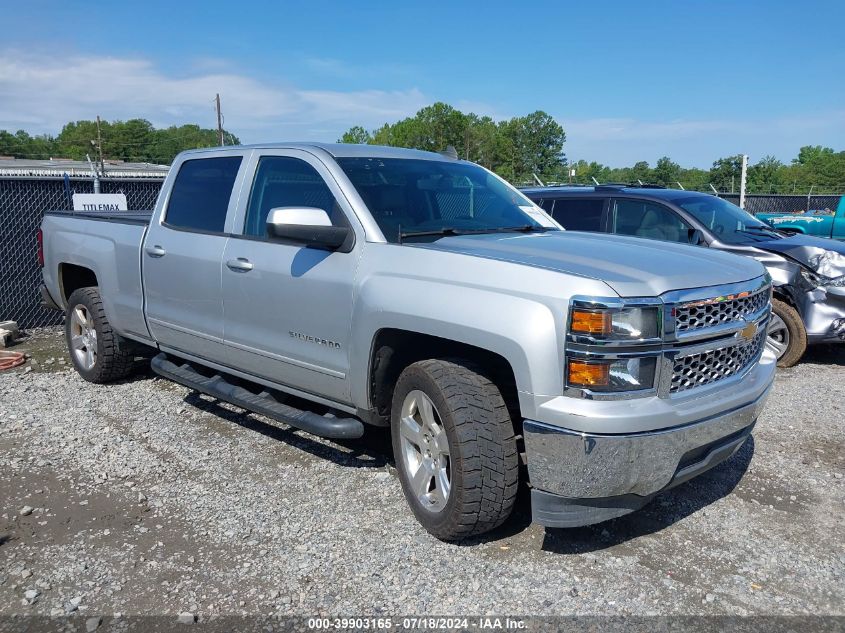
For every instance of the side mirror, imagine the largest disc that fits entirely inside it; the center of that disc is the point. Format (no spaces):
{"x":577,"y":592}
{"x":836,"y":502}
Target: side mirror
{"x":696,"y":237}
{"x":309,"y":226}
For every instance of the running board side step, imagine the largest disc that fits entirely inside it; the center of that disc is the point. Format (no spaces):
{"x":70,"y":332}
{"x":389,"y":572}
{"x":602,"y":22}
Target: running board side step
{"x":263,"y":403}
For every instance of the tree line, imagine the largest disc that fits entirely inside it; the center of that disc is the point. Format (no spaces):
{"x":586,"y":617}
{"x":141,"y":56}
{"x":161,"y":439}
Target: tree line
{"x":522,"y":147}
{"x":135,"y":140}
{"x":816,"y":168}
{"x":514,"y":148}
{"x":517,"y":149}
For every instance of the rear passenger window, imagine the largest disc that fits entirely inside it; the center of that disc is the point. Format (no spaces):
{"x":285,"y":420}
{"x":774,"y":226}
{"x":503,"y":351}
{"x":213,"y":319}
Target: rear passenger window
{"x":201,"y":192}
{"x":282,"y":181}
{"x":576,"y":214}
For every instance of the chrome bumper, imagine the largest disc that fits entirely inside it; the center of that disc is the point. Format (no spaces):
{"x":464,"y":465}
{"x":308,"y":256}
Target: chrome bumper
{"x":592,"y":477}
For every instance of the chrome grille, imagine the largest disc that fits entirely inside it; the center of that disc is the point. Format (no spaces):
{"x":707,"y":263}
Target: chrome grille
{"x":701,"y":314}
{"x":701,"y":369}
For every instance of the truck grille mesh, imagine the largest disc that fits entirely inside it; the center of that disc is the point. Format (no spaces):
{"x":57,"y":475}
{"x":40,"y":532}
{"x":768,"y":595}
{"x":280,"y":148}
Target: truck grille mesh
{"x":702,"y":369}
{"x":693,"y":316}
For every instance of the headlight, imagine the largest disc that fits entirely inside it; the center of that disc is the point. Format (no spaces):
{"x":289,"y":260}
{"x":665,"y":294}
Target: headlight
{"x":623,"y":374}
{"x":618,"y":324}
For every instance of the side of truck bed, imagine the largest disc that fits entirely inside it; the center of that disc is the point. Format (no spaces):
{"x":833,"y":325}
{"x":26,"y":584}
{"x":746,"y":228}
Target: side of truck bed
{"x":106,"y":242}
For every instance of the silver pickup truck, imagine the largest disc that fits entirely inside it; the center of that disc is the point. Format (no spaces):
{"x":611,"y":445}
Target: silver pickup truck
{"x":415,"y":291}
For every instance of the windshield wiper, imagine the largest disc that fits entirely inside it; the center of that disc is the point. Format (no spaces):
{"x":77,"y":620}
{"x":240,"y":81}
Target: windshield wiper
{"x":760,"y":229}
{"x":525,"y":228}
{"x":448,"y":230}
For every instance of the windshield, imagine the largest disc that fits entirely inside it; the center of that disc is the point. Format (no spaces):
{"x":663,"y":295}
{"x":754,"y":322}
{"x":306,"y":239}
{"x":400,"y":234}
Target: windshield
{"x":726,"y":221}
{"x":433,"y":197}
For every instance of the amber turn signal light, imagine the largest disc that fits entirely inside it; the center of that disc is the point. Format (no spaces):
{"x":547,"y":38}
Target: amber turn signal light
{"x":589,"y":322}
{"x":583,"y":374}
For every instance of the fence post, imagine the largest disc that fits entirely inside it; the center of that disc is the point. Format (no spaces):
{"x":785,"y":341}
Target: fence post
{"x":742,"y":180}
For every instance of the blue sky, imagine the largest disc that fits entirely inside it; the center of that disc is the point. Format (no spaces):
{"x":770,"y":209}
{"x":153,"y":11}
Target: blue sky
{"x":628,"y":81}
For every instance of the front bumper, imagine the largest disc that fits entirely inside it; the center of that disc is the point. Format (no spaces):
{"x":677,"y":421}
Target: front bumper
{"x":581,"y":478}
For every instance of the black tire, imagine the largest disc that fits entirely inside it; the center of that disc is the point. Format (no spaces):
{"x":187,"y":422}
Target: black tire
{"x":797,"y":344}
{"x":114,"y":354}
{"x":484,"y":464}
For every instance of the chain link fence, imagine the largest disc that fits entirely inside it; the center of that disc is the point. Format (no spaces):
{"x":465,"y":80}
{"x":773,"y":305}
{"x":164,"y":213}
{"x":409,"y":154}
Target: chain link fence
{"x":756,"y":203}
{"x":23,"y":201}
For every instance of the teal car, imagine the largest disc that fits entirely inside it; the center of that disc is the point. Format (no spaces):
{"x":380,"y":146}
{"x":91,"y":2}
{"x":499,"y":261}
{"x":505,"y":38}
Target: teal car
{"x":819,"y":223}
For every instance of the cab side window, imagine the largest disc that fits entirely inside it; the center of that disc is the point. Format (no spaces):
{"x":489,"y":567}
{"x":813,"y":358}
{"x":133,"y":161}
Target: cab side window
{"x":651,"y":220}
{"x":579,"y":214}
{"x":282,"y":181}
{"x":200,"y":195}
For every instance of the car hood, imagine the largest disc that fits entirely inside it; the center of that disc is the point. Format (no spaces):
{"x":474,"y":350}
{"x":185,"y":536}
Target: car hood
{"x":819,"y":254}
{"x":632,"y":267}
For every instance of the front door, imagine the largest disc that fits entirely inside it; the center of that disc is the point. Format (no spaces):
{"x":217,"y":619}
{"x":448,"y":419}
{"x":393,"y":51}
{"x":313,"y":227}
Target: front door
{"x":652,"y":220}
{"x":287,"y":308}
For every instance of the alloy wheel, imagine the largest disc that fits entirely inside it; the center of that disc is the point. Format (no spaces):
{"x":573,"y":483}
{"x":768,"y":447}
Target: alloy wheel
{"x":425,"y":451}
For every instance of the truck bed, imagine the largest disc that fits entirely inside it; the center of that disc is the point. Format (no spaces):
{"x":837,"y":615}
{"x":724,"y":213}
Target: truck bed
{"x":108,"y":242}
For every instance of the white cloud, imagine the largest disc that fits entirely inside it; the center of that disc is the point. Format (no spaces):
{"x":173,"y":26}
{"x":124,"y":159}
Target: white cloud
{"x":40,"y":93}
{"x":623,"y":141}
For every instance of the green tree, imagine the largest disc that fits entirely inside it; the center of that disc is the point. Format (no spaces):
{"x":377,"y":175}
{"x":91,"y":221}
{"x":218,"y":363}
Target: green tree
{"x":356,"y":135}
{"x":666,"y":172}
{"x":516,"y":148}
{"x":765,"y":175}
{"x":726,"y":173}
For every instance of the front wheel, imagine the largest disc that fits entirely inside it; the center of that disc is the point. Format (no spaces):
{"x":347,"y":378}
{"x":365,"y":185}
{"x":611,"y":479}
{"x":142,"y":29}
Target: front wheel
{"x":455,"y":449}
{"x":98,"y":353}
{"x":786,"y":335}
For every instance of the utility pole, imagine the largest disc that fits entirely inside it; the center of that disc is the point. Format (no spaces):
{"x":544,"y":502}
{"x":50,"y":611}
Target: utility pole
{"x":219,"y":120}
{"x":742,"y":180}
{"x":100,"y":147}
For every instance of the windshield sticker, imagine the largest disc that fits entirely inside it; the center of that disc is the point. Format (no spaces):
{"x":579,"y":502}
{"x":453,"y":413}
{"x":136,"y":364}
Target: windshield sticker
{"x":539,"y":215}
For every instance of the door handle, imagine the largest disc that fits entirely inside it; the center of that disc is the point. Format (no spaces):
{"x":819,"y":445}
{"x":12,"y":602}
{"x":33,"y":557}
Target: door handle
{"x":240,"y":265}
{"x":155,"y":251}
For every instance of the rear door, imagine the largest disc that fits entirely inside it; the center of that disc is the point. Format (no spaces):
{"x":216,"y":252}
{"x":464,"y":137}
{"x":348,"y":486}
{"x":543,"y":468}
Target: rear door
{"x":288,"y":308}
{"x":182,"y":256}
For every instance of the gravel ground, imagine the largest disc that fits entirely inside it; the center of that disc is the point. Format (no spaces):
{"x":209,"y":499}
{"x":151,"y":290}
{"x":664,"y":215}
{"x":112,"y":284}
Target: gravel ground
{"x":145,"y":498}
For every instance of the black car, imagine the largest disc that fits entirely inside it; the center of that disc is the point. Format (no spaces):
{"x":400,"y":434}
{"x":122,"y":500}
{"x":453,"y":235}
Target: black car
{"x":808,"y":272}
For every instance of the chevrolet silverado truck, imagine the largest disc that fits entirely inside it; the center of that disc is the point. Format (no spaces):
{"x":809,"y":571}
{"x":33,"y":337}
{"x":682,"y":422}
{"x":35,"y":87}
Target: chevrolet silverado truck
{"x":411,"y":290}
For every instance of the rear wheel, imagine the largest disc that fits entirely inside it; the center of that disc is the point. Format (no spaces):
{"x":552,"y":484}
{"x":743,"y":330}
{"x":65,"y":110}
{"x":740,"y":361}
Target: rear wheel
{"x":455,"y":448}
{"x":786,"y":335}
{"x":97,"y":352}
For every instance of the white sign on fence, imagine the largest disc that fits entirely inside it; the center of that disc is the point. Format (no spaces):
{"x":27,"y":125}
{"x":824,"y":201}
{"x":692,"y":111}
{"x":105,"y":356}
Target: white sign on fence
{"x":99,"y":202}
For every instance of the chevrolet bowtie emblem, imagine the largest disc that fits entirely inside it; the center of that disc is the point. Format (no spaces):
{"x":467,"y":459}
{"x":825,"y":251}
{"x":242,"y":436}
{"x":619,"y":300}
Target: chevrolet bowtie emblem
{"x":749,"y":331}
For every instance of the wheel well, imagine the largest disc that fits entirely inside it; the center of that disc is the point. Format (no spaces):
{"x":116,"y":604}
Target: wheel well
{"x":393,"y":350}
{"x":73,"y":277}
{"x":783,"y":296}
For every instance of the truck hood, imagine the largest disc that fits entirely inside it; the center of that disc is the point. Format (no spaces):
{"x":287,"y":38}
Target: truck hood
{"x":632,"y":267}
{"x":819,"y":254}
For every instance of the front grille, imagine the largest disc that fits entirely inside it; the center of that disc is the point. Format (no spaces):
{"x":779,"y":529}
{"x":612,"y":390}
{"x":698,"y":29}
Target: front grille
{"x":701,"y":314}
{"x":701,"y":369}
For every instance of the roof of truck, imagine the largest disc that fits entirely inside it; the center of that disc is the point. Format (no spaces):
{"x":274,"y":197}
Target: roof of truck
{"x":338,"y":150}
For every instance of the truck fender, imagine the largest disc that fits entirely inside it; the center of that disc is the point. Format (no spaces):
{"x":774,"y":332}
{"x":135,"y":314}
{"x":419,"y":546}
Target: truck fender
{"x":520,"y":330}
